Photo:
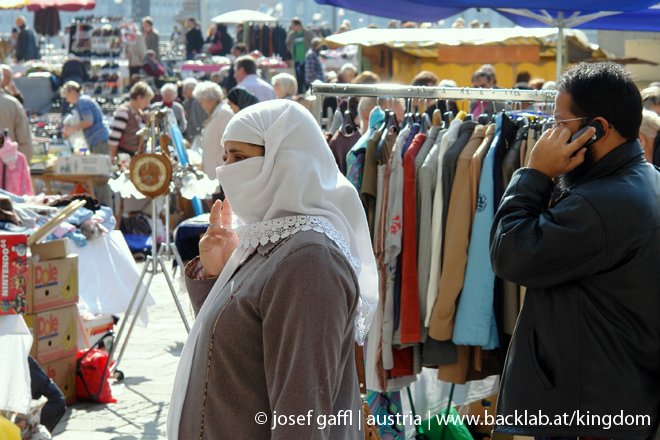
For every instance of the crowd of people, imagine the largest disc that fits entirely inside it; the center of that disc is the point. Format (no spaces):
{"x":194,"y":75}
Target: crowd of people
{"x":236,"y":115}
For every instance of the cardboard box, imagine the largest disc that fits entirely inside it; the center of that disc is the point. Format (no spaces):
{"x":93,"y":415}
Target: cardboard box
{"x":52,"y":284}
{"x":51,"y":250}
{"x":13,"y":273}
{"x":94,"y":164}
{"x":63,"y":372}
{"x":95,"y":328}
{"x":55,"y":333}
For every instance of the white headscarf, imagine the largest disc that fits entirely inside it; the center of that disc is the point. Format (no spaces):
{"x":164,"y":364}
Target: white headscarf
{"x":295,"y":186}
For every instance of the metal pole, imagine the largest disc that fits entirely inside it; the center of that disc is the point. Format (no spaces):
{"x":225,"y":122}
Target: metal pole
{"x":359,"y":59}
{"x":334,"y":18}
{"x":420,"y":92}
{"x":560,"y":44}
{"x":154,"y":210}
{"x":167,"y":224}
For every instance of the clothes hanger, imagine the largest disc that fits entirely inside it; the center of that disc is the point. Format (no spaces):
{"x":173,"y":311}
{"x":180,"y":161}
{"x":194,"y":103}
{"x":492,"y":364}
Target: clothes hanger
{"x":437,"y":115}
{"x":348,"y":126}
{"x":448,"y":118}
{"x":408,"y":116}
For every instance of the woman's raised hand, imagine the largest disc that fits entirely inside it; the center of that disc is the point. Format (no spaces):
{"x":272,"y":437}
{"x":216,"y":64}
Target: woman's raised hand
{"x":219,"y":241}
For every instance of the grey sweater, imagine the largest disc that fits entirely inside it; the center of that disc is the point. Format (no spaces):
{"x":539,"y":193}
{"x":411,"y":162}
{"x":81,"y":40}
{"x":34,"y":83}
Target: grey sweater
{"x":284,"y":346}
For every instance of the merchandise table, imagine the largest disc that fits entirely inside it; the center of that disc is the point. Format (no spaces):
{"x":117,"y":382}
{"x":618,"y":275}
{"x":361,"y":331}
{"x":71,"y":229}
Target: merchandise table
{"x":86,"y":180}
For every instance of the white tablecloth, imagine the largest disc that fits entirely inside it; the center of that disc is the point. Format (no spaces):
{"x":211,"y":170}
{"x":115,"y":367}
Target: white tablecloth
{"x":108,"y":276}
{"x":15,"y":343}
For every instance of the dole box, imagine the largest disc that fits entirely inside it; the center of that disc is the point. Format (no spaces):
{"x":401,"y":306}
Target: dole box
{"x":52,"y":284}
{"x":63,"y":372}
{"x":55,"y":333}
{"x":13,"y":273}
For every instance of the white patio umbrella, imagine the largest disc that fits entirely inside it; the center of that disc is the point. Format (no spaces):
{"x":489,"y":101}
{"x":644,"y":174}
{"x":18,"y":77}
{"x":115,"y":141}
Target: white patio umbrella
{"x":243,"y":16}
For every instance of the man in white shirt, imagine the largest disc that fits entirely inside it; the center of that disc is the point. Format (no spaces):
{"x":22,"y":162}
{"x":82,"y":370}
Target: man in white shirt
{"x":245,"y":72}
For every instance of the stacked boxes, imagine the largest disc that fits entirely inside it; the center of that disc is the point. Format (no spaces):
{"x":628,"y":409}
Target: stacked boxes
{"x":52,"y":313}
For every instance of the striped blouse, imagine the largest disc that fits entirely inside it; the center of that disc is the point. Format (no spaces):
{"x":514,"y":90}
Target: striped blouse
{"x":125,"y":125}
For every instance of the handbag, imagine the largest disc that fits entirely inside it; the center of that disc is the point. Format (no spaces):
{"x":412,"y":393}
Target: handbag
{"x":215,"y":47}
{"x":370,"y":430}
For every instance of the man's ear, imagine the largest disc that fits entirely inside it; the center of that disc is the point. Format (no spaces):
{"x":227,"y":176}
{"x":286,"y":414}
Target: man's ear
{"x":606,"y":125}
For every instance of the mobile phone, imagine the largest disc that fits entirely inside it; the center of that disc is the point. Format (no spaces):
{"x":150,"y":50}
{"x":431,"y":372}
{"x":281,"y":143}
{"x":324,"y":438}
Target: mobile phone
{"x":599,"y":133}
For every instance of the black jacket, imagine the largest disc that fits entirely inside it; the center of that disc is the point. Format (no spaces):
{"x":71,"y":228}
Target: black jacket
{"x":194,"y":40}
{"x":588,"y":335}
{"x":26,"y":45}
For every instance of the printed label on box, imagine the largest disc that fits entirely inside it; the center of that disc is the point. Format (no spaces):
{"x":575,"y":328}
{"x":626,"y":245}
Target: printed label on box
{"x":53,"y":284}
{"x":56,"y":333}
{"x":63,"y":372}
{"x":13,"y":273}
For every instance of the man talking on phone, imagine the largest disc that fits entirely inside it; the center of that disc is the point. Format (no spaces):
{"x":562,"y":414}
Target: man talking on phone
{"x":584,"y":360}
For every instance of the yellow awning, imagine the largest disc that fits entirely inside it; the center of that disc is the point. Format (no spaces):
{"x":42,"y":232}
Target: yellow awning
{"x":13,"y":4}
{"x":423,"y":43}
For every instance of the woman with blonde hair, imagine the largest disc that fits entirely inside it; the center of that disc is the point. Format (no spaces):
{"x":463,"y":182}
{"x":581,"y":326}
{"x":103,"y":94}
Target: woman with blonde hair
{"x":128,"y":119}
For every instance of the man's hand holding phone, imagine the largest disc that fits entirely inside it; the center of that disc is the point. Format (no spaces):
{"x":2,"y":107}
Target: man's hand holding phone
{"x":554,"y":155}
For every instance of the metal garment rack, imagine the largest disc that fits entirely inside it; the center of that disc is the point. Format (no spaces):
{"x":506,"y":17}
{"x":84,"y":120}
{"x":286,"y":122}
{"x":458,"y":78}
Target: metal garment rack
{"x":323,"y":90}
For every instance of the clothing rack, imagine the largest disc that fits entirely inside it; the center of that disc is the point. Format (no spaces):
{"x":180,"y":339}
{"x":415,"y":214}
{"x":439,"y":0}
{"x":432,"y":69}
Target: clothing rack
{"x":323,"y":90}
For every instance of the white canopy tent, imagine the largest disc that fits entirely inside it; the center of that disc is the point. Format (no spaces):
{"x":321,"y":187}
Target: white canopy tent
{"x":243,"y":16}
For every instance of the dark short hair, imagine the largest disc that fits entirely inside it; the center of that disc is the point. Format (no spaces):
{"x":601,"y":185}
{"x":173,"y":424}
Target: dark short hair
{"x":240,"y":47}
{"x":247,"y":63}
{"x":14,"y":30}
{"x":523,"y":77}
{"x":425,"y":77}
{"x":607,"y":90}
{"x":148,"y":20}
{"x":296,"y":21}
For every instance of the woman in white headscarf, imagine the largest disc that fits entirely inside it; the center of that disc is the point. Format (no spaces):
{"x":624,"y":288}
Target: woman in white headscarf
{"x":281,"y":298}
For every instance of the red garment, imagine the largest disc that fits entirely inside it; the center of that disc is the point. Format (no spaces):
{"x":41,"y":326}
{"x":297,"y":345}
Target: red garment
{"x":153,"y":69}
{"x":167,"y":104}
{"x":410,"y":320}
{"x":403,"y":362}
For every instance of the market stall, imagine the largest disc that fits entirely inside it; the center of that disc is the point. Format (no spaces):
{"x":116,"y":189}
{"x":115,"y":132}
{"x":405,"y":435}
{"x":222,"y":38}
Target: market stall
{"x":399,"y":54}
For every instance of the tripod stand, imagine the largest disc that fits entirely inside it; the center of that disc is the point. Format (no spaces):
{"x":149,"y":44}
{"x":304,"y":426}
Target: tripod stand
{"x":151,"y":265}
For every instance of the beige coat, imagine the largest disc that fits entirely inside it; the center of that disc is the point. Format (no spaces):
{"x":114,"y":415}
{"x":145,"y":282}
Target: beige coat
{"x":456,"y":243}
{"x":14,"y":119}
{"x":135,"y":53}
{"x":279,"y":339}
{"x":214,"y":128}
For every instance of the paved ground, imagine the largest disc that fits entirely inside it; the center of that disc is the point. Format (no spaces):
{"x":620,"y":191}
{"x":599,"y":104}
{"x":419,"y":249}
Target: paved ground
{"x":149,"y":365}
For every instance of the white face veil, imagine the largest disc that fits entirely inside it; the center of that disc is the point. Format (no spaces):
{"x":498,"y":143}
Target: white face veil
{"x":295,"y":186}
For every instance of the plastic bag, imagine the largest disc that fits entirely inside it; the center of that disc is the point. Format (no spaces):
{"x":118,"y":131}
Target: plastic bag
{"x":91,"y":383}
{"x":456,"y":431}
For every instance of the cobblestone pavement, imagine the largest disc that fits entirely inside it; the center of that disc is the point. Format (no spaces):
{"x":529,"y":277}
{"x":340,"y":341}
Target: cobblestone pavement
{"x":149,"y":365}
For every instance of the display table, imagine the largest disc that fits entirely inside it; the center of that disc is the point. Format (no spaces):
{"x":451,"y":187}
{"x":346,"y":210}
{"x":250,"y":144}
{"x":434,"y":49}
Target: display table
{"x":195,"y":67}
{"x":86,"y":180}
{"x":199,"y":67}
